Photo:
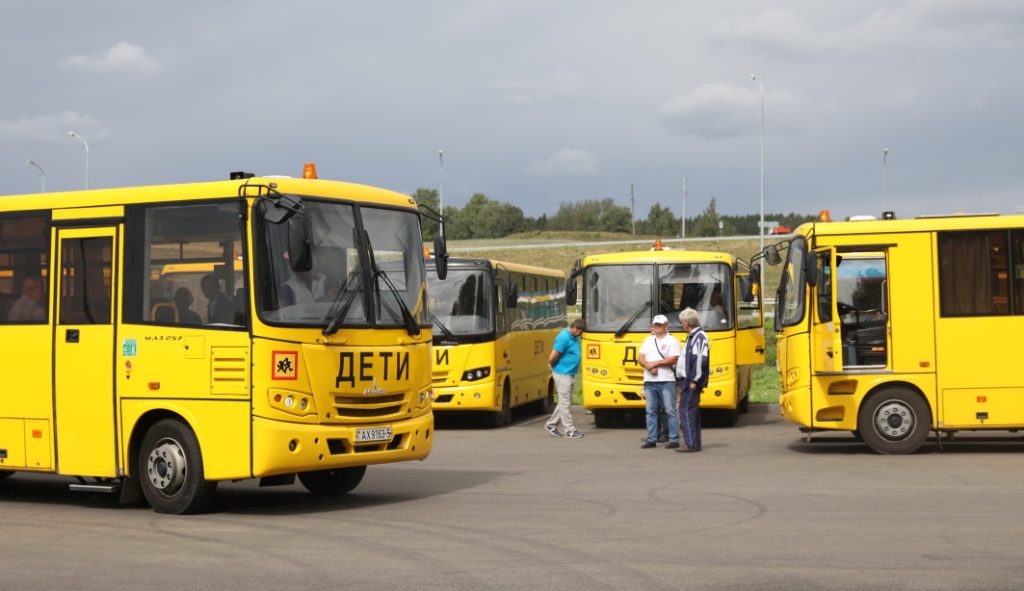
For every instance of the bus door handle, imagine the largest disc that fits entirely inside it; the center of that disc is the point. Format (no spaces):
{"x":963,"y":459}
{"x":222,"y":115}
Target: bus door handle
{"x":71,"y":335}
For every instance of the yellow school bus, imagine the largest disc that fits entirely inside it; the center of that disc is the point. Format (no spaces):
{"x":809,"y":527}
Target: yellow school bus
{"x":623,"y":291}
{"x":893,"y":329}
{"x":294,"y":352}
{"x":494,"y":326}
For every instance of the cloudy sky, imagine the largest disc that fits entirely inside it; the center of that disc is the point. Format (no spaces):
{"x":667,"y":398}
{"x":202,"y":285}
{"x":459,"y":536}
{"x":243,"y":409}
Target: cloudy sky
{"x":533,"y":102}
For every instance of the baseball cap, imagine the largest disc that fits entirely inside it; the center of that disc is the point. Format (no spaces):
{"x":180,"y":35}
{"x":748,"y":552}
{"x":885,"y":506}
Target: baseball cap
{"x":660,"y":319}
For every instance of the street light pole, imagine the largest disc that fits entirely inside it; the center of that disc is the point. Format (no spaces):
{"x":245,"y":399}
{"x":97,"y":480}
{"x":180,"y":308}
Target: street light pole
{"x":86,"y":144}
{"x":42,"y":174}
{"x":682,"y":223}
{"x":885,"y":199}
{"x":440,"y":191}
{"x":760,"y":226}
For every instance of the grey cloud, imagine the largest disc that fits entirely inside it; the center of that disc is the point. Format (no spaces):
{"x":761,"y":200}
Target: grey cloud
{"x":122,"y":58}
{"x":566,"y":162}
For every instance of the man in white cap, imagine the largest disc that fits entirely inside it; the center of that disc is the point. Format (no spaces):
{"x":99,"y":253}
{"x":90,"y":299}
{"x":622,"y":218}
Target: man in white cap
{"x":658,"y":356}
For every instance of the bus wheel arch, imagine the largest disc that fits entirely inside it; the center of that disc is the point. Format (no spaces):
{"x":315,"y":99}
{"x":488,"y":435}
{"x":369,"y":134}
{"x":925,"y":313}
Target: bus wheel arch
{"x":168,"y":464}
{"x":894,"y":418}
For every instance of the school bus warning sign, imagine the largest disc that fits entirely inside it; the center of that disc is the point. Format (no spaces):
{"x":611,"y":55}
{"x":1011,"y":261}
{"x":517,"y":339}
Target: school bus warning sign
{"x":593,"y":351}
{"x":284,"y":365}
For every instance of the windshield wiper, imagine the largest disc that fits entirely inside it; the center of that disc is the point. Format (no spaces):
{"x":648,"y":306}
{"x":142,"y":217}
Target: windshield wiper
{"x":447,"y":331}
{"x":411,"y":326}
{"x":346,"y":305}
{"x":622,"y":330}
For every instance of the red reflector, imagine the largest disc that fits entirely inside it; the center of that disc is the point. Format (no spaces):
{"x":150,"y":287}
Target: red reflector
{"x":925,"y":363}
{"x":982,"y":398}
{"x":154,"y":385}
{"x":37,"y":434}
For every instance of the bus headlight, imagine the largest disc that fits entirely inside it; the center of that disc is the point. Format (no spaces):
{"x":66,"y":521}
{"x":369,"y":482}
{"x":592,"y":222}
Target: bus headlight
{"x":473,"y":375}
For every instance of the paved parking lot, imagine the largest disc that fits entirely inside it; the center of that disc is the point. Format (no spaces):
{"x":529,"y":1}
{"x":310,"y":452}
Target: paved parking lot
{"x":514,"y":508}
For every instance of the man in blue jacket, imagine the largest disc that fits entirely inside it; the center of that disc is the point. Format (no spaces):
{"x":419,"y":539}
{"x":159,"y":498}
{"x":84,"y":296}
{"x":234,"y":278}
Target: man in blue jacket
{"x":692,"y":372}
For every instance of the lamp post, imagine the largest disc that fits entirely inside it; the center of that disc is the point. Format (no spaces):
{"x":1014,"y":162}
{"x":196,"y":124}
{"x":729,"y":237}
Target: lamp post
{"x":760,"y":225}
{"x":885,"y":159}
{"x":86,"y":144}
{"x":42,"y":174}
{"x":682,"y":223}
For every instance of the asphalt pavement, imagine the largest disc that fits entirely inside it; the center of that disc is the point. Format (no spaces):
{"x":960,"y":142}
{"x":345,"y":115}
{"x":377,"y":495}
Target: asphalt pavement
{"x":514,"y":508}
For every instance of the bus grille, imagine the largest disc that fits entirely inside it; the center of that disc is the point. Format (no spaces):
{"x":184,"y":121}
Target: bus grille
{"x":439,"y":377}
{"x":634,"y":374}
{"x":368,"y":406}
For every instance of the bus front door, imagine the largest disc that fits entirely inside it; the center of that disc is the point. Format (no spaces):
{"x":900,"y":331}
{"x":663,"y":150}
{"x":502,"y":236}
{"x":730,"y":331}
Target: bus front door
{"x":84,"y":351}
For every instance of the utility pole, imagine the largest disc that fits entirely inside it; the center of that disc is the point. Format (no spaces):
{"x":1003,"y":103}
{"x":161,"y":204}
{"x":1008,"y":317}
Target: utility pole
{"x":632,"y":208}
{"x":682,"y":223}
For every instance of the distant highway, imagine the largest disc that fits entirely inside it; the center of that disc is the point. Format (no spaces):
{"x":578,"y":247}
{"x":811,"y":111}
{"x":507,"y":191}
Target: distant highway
{"x":647,"y":241}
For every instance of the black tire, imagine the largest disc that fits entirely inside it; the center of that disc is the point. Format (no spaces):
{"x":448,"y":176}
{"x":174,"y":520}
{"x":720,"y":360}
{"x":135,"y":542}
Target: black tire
{"x":170,"y":470}
{"x":744,"y":406}
{"x":6,"y":473}
{"x":602,"y":418}
{"x":728,"y":417}
{"x":503,"y":416}
{"x":338,"y":481}
{"x":894,"y":421}
{"x":548,"y":404}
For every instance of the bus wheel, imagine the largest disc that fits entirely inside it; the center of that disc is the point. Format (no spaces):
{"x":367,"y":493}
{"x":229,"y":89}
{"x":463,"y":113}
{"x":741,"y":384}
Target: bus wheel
{"x":548,"y":406}
{"x":894,"y":421}
{"x":332,"y":482}
{"x":602,"y":418}
{"x":744,"y":406}
{"x":171,"y":470}
{"x":504,"y":416}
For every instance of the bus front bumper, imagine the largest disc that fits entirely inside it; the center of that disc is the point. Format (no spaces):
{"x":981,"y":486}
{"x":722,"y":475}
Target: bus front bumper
{"x":597,"y":395}
{"x":282,"y":448}
{"x":478,"y":396}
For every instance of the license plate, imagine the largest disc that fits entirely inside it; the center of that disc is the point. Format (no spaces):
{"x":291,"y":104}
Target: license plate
{"x":373,"y":434}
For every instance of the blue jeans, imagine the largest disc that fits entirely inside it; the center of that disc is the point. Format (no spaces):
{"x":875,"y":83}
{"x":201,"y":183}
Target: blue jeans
{"x":689,"y":415}
{"x":661,"y":395}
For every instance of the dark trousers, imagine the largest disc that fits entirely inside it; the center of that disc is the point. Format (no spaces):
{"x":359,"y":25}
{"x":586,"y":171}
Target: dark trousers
{"x":689,"y":416}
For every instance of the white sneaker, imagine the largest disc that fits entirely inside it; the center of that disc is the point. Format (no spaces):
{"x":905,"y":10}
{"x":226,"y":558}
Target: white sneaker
{"x":574,"y":434}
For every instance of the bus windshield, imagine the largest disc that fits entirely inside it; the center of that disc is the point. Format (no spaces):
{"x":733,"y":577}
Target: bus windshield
{"x":346,"y":279}
{"x":705,"y":287}
{"x":617,"y":293}
{"x":462,"y":303}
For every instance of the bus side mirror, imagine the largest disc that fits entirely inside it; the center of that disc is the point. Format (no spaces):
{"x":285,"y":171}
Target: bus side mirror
{"x":440,"y":256}
{"x":811,"y":268}
{"x":570,"y":283}
{"x":771,"y":255}
{"x":299,"y":251}
{"x":511,"y":295}
{"x":747,"y":288}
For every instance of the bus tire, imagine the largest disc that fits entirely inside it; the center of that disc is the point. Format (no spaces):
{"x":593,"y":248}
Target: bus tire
{"x":894,"y":421}
{"x":744,"y":406}
{"x":6,"y":473}
{"x":602,"y":418}
{"x":504,"y":415}
{"x":729,"y":417}
{"x":338,"y":481}
{"x":548,"y":405}
{"x":171,"y":470}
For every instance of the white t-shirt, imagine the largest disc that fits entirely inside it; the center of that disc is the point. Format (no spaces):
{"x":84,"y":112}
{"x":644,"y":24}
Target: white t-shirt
{"x":655,"y":349}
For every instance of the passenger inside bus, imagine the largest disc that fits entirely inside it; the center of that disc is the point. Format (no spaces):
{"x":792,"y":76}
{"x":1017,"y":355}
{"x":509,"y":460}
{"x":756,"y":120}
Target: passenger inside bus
{"x":29,"y":307}
{"x":183,"y":301}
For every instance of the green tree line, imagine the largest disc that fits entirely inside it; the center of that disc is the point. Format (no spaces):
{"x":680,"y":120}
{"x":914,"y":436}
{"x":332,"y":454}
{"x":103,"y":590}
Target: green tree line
{"x":483,"y":217}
